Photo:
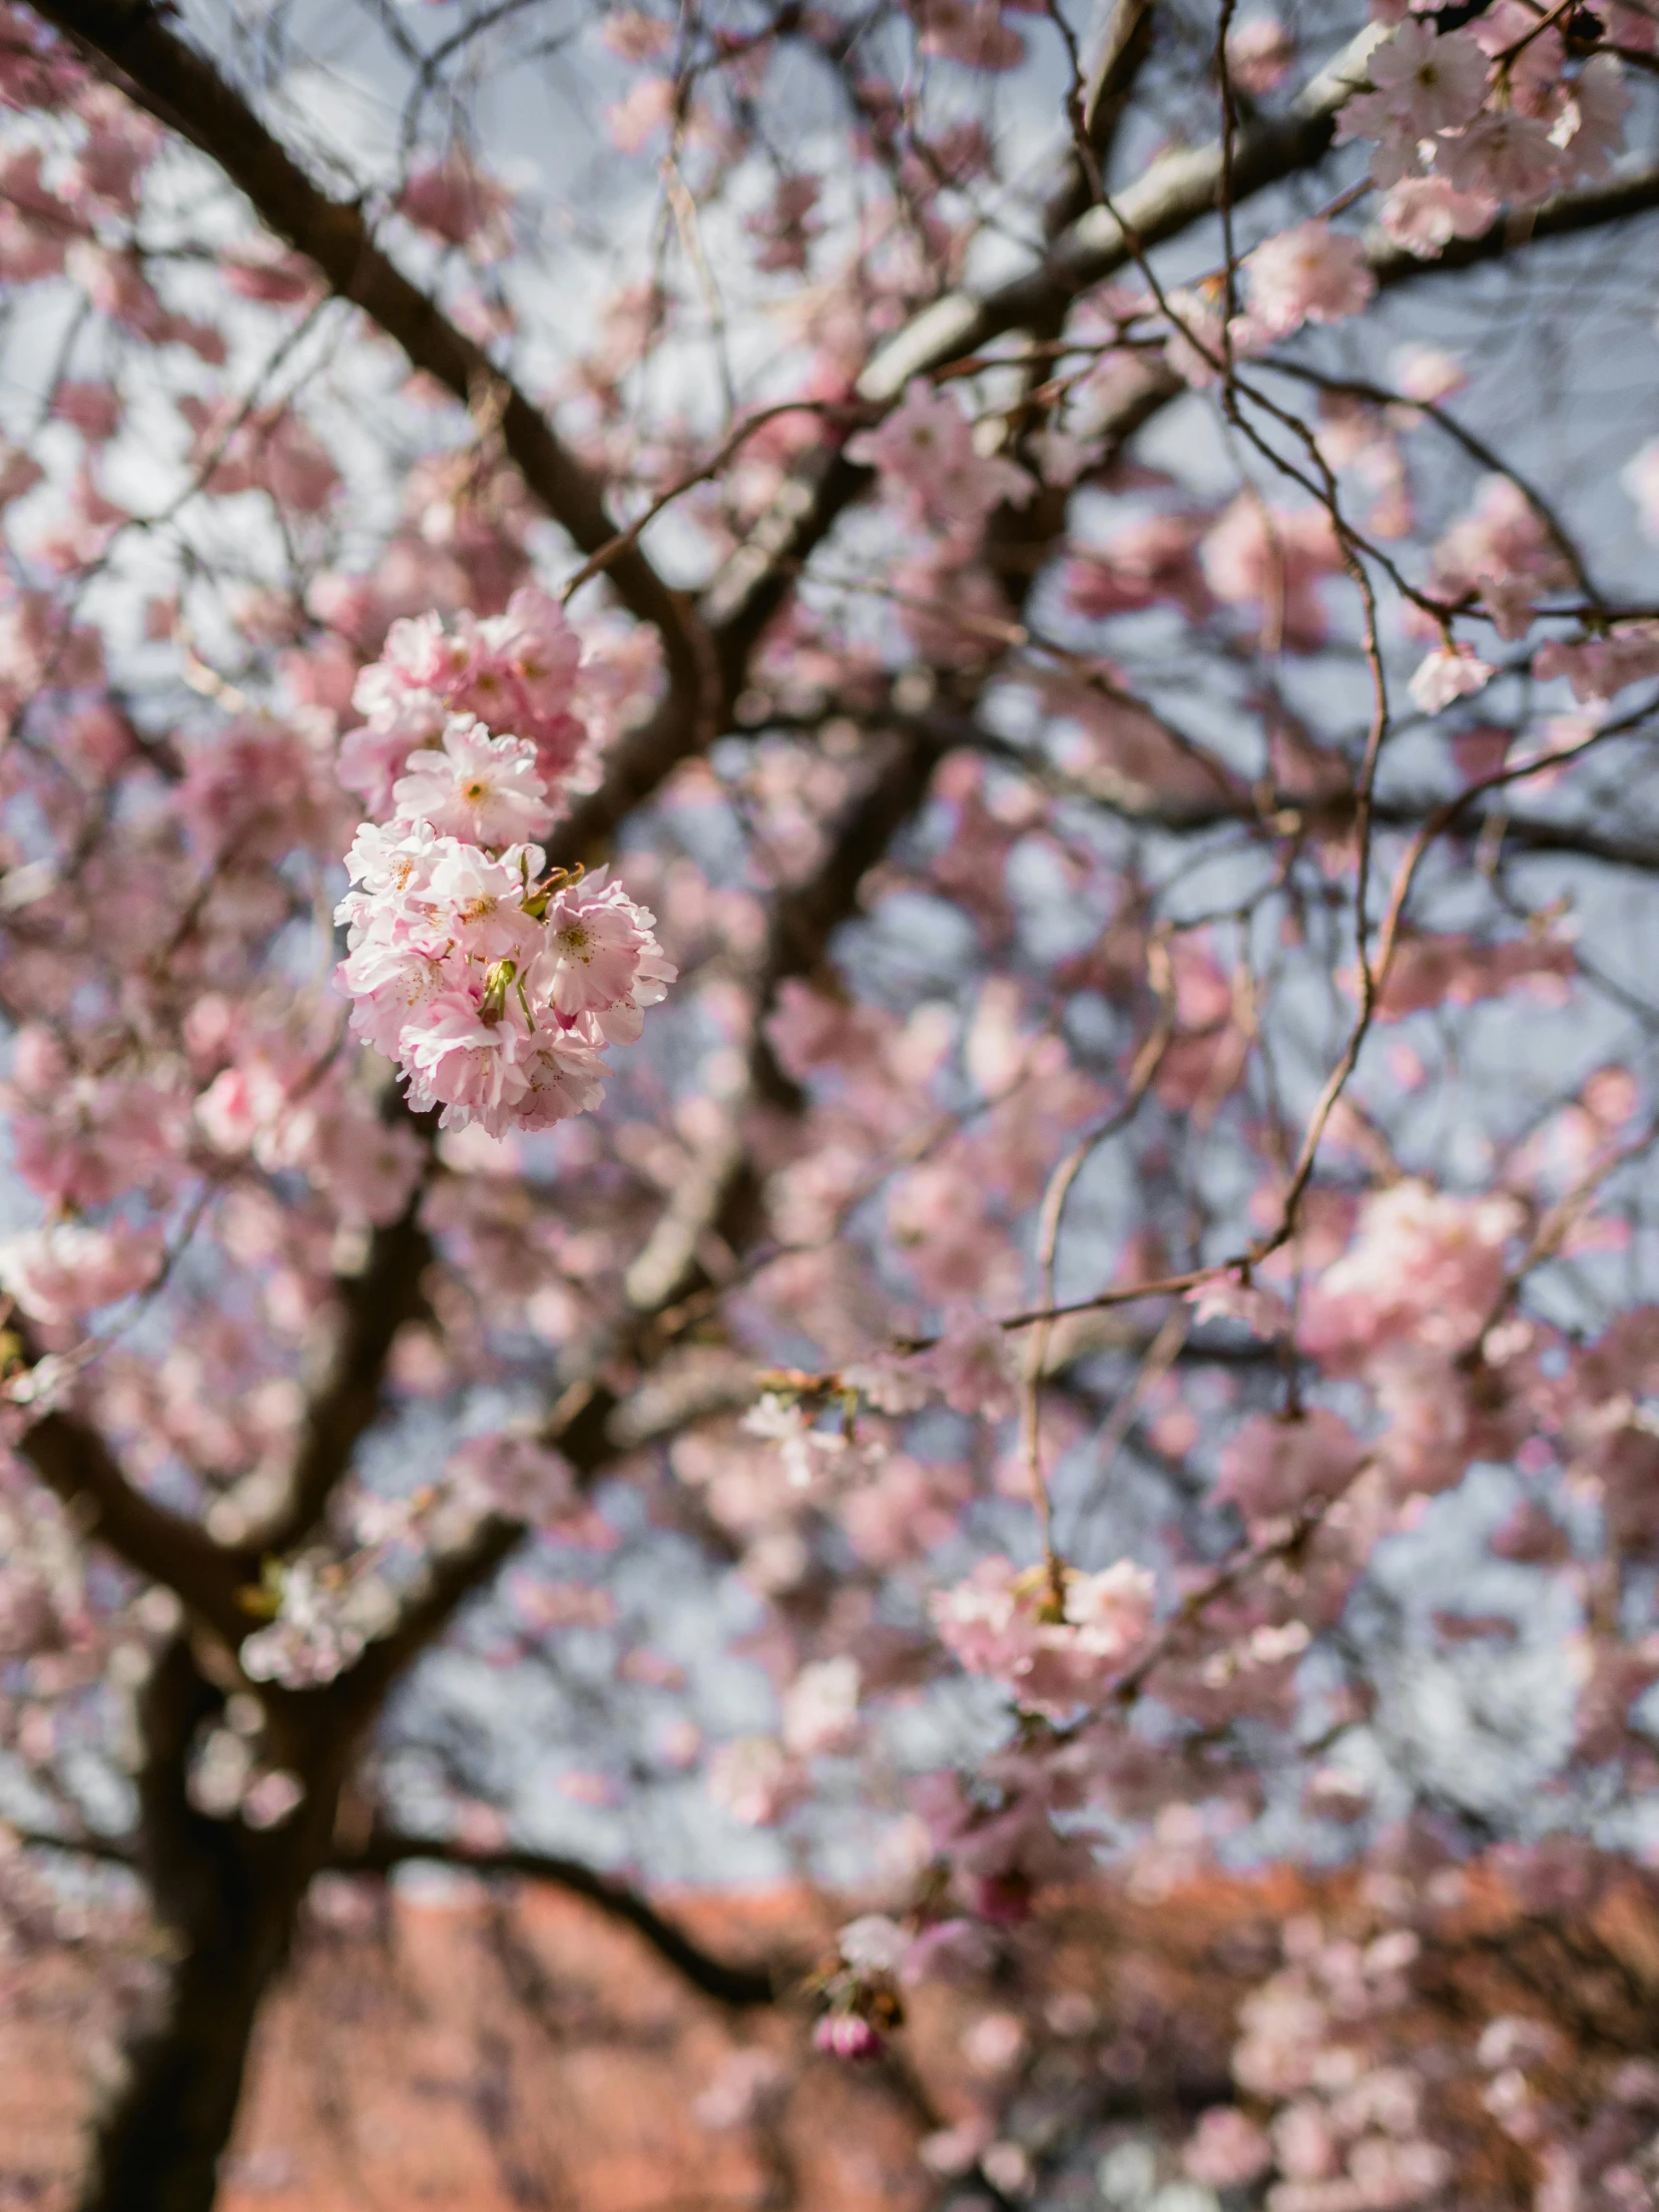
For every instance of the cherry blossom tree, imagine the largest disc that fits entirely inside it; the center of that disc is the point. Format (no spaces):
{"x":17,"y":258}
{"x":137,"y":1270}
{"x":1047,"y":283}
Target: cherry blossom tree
{"x":824,"y":880}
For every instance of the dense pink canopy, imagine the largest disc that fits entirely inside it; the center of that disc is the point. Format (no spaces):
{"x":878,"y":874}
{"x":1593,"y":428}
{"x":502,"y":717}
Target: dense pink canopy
{"x":825,"y":864}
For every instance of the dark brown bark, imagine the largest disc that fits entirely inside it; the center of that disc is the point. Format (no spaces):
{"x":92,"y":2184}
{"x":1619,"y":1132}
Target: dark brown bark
{"x":225,"y":1898}
{"x":346,"y":1397}
{"x":727,"y":1981}
{"x":74,"y":1462}
{"x":227,"y":1895}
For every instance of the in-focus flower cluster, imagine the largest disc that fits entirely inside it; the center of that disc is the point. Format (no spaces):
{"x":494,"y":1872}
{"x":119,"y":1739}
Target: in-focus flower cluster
{"x":1467,"y":120}
{"x":1054,"y":1658}
{"x":494,"y":984}
{"x":516,"y":673}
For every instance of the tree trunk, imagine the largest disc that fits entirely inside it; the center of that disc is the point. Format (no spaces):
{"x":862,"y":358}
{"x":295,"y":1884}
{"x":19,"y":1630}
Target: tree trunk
{"x":225,"y":1898}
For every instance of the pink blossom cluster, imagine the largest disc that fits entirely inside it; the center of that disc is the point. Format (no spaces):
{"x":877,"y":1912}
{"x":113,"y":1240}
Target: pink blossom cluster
{"x":1425,"y":1265}
{"x":1277,"y":558}
{"x":494,"y":984}
{"x":755,"y":1778}
{"x":516,"y":673}
{"x":1430,"y":970}
{"x":1276,"y":1467}
{"x":1008,"y":1624}
{"x":85,"y":1140}
{"x":1468,"y":120}
{"x":1405,"y":1309}
{"x":1227,"y":2151}
{"x":924,"y":452}
{"x":1451,"y":671}
{"x":1307,"y":273}
{"x":783,"y":229}
{"x":1144,"y":561}
{"x":1503,"y":554}
{"x":1368,"y":2092}
{"x":972,"y":1366}
{"x":69,"y":1270}
{"x":759,"y":1779}
{"x":820,"y":1708}
{"x":458,"y":203}
{"x":517,"y":1475}
{"x":1599,"y":667}
{"x":970,"y":32}
{"x":996,"y":1835}
{"x":271,"y":1105}
{"x":1349,"y":2134}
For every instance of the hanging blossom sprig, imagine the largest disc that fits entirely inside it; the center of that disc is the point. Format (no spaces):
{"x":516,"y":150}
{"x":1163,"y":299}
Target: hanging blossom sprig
{"x":494,"y":982}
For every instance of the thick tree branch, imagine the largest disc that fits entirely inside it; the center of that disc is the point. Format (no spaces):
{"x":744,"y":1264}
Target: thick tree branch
{"x":1176,"y":192}
{"x":1141,"y":806}
{"x":450,"y":1579}
{"x":722,"y":1192}
{"x":1113,"y":75}
{"x":803,"y":918}
{"x":344,"y":1396}
{"x":74,"y":1462}
{"x":727,"y":1981}
{"x":225,"y":1896}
